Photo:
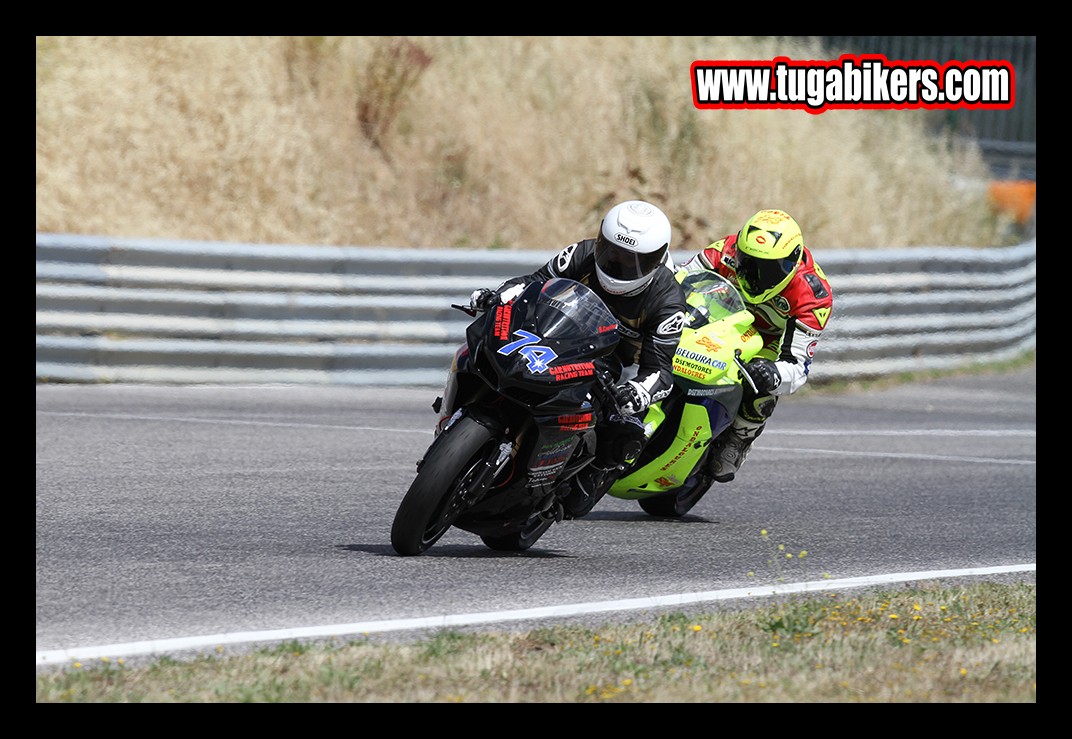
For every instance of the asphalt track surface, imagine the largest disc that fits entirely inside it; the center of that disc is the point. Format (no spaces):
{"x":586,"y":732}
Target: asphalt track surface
{"x":178,"y":517}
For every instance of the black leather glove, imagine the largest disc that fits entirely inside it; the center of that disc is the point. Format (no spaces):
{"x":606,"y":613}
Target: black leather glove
{"x":632,"y":398}
{"x":619,"y":440}
{"x":764,"y":374}
{"x":483,"y":299}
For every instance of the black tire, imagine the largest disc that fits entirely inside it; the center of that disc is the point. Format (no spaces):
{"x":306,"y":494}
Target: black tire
{"x":435,"y":498}
{"x":677,"y":504}
{"x":522,"y":540}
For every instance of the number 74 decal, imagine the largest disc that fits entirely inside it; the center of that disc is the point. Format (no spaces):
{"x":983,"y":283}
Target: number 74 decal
{"x":538,"y":357}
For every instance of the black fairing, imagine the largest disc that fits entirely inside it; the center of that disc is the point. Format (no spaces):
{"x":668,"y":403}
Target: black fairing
{"x":541,"y":349}
{"x":536,"y":358}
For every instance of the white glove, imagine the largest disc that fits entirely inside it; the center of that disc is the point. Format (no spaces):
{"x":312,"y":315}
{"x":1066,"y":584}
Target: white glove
{"x":483,"y":299}
{"x":632,"y":398}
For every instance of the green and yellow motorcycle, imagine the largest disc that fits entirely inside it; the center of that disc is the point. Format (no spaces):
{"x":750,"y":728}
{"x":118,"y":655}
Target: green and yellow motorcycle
{"x":670,"y":475}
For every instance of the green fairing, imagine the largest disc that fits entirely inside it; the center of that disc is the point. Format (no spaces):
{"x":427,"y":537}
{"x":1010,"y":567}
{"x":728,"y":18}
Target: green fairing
{"x":704,"y":368}
{"x":693,"y":436}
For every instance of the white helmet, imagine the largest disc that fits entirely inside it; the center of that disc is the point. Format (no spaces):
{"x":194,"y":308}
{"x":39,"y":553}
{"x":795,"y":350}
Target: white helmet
{"x":633,"y":242}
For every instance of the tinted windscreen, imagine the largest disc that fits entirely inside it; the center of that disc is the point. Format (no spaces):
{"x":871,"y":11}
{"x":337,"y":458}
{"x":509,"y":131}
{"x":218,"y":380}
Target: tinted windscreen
{"x":566,"y":306}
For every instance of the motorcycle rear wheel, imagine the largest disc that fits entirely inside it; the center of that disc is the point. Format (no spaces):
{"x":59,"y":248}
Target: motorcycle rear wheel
{"x":677,"y":504}
{"x":521,"y":540}
{"x":436,"y":496}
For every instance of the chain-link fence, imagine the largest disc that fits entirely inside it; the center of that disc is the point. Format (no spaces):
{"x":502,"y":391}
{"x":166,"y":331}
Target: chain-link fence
{"x":1006,"y":137}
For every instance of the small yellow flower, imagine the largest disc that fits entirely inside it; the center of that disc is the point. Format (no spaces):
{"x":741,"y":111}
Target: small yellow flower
{"x":697,"y":627}
{"x":963,"y":672}
{"x":894,"y":615}
{"x":917,"y":607}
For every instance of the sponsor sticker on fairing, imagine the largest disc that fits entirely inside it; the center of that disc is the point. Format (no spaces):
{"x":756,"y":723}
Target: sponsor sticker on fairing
{"x":572,"y":371}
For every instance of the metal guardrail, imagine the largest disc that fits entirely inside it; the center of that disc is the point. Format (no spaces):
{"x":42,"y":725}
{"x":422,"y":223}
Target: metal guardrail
{"x":158,"y":311}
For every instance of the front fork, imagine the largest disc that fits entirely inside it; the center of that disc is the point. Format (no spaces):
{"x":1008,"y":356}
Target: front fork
{"x":483,"y":479}
{"x":445,"y":402}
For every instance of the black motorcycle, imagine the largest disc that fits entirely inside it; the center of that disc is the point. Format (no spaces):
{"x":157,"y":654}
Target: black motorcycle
{"x":533,"y":379}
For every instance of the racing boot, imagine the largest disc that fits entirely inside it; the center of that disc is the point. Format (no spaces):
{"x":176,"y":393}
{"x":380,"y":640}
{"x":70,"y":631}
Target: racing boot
{"x":589,"y":486}
{"x":731,"y":449}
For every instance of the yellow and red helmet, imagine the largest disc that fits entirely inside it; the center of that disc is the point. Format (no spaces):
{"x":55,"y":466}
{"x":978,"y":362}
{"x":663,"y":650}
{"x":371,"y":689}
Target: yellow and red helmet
{"x":770,"y":249}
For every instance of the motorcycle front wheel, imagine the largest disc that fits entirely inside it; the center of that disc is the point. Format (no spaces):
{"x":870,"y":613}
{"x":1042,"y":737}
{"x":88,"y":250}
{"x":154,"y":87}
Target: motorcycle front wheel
{"x":436,"y":497}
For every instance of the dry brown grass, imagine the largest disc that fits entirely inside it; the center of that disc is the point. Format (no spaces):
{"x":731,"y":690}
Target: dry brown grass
{"x":515,"y":142}
{"x":927,"y":644}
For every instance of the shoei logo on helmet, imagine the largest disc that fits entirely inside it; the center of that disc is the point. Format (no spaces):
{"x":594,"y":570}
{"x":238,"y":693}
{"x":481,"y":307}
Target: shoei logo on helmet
{"x":626,"y":239}
{"x":759,"y":239}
